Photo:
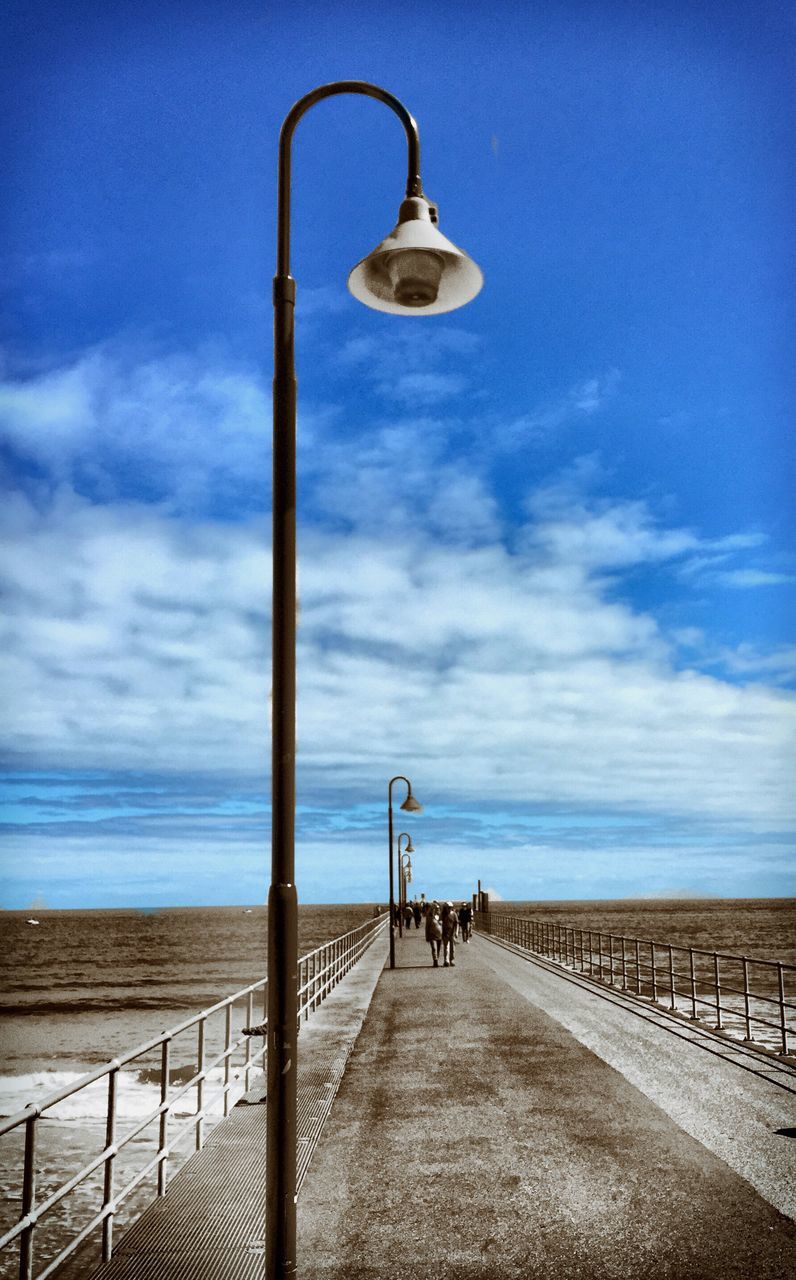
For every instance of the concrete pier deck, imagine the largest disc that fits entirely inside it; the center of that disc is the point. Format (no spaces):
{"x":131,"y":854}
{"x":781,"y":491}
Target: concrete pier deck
{"x":475,"y":1136}
{"x":502,"y":1120}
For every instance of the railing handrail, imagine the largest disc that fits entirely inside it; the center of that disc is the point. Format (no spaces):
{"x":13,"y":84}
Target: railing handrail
{"x":321,"y":968}
{"x":646,"y":942}
{"x":115,"y":1064}
{"x":374,"y":922}
{"x":659,"y":972}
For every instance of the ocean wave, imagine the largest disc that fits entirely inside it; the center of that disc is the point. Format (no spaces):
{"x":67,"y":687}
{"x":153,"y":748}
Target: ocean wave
{"x":111,"y":1003}
{"x":138,"y":1093}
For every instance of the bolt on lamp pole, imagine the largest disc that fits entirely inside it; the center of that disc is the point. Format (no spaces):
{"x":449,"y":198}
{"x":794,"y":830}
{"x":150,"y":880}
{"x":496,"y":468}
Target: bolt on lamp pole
{"x":414,"y":271}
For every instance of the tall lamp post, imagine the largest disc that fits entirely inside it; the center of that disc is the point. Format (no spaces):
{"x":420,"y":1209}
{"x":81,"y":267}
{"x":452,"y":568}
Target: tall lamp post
{"x":408,"y":848}
{"x":414,"y":271}
{"x":412,"y":806}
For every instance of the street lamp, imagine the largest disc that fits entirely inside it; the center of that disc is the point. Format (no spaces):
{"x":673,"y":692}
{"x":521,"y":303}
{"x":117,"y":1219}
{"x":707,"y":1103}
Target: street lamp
{"x":408,"y":848}
{"x":406,"y":878}
{"x":411,"y":806}
{"x":414,"y":271}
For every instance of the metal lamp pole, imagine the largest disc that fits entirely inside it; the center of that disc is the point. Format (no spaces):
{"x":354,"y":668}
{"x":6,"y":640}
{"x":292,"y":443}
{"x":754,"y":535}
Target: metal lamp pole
{"x":408,"y":848}
{"x":414,"y":271}
{"x":406,"y":880}
{"x":412,"y":806}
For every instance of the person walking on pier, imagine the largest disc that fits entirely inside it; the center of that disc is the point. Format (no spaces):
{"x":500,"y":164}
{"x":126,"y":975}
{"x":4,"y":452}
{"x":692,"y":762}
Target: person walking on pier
{"x":434,"y":931}
{"x":450,"y":930}
{"x":466,"y":921}
{"x":416,"y":913}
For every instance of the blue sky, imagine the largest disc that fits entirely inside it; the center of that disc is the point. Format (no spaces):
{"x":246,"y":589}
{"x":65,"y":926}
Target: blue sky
{"x":546,"y":542}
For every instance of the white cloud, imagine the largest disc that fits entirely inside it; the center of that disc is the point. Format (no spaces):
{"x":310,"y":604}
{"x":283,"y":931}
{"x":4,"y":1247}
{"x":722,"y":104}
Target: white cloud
{"x":507,"y":665}
{"x":580,"y":401}
{"x":412,"y":367}
{"x":743,"y":578}
{"x":747,"y":660}
{"x":504,"y":675}
{"x":120,"y":421}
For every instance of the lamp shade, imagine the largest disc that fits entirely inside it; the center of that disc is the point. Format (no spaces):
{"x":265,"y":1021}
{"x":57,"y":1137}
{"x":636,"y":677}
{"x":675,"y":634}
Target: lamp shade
{"x":411,"y":804}
{"x":416,"y":270}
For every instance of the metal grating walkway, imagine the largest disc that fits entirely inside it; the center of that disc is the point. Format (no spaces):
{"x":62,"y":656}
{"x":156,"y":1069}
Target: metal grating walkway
{"x":210,"y":1224}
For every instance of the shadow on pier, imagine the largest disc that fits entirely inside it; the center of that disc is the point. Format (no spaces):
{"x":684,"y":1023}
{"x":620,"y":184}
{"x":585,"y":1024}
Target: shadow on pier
{"x":495,"y":1120}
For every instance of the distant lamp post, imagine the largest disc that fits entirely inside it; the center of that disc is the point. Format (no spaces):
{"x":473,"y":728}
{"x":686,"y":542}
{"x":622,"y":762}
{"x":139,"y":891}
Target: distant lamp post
{"x":406,"y":880}
{"x":408,"y":848}
{"x":411,"y":806}
{"x":415,"y":271}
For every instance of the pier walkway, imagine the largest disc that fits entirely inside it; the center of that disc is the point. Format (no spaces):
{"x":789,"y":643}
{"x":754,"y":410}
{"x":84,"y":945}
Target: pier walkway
{"x":504,"y":1120}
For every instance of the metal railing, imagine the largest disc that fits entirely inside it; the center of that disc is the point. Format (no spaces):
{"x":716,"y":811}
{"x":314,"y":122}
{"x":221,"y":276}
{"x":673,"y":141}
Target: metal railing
{"x":737,"y":993}
{"x":319,"y":972}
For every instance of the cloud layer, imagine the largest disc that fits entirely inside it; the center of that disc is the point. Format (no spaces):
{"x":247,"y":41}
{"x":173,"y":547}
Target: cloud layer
{"x":508,"y":661}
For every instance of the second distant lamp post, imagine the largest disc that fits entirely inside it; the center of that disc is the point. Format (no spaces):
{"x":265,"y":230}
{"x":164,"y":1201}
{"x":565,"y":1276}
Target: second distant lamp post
{"x":402,"y":875}
{"x":414,"y":271}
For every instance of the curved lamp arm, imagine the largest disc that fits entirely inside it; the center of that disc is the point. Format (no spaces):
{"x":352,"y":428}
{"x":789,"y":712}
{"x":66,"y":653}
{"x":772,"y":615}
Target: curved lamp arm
{"x":399,"y":777}
{"x":414,"y":186}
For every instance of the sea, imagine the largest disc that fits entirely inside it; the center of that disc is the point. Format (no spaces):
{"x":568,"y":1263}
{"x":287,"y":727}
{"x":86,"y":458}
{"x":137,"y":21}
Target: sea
{"x":81,"y":987}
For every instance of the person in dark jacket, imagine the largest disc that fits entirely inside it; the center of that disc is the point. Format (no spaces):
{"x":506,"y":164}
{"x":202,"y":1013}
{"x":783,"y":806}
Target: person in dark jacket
{"x":450,"y":931}
{"x":416,"y":913}
{"x":466,"y":921}
{"x":434,"y":931}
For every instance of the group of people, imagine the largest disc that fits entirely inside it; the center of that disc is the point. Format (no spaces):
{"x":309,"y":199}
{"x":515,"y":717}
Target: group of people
{"x":444,"y":924}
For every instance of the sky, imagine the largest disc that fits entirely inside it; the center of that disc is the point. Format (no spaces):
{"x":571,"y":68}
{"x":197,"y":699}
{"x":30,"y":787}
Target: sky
{"x":546,"y":542}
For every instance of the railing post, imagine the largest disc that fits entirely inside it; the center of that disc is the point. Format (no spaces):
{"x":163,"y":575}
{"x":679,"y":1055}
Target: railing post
{"x":638,"y":966}
{"x":582,"y":964}
{"x":600,"y":955}
{"x":692,"y":976}
{"x":783,"y":1026}
{"x":28,"y":1200}
{"x":227,"y":1064}
{"x":624,"y":965}
{"x":591,"y":956}
{"x":745,"y":963}
{"x":165,"y":1059}
{"x":611,"y":953}
{"x":654,"y":974}
{"x":107,"y":1190}
{"x":672,"y":1001}
{"x":247,"y":1061}
{"x":200,"y":1084}
{"x":717,"y":979}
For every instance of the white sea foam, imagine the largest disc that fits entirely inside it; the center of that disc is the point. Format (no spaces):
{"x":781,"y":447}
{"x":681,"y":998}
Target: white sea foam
{"x":135,"y":1099}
